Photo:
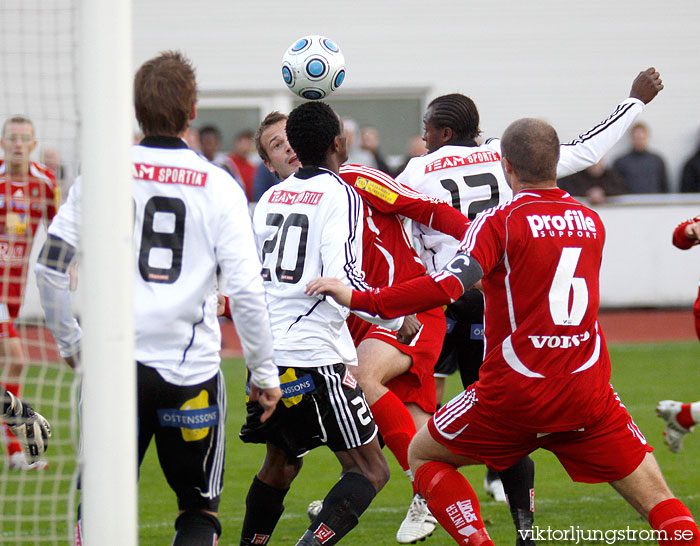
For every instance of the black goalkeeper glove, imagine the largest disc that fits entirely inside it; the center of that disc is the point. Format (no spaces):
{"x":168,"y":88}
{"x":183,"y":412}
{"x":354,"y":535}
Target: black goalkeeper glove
{"x":31,"y":428}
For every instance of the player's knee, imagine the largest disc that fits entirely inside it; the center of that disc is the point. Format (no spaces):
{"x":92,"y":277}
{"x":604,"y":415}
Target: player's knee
{"x":279,"y":473}
{"x":196,"y":528}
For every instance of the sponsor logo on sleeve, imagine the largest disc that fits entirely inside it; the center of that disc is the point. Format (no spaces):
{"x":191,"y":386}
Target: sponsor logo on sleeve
{"x":378,"y":190}
{"x":194,"y":418}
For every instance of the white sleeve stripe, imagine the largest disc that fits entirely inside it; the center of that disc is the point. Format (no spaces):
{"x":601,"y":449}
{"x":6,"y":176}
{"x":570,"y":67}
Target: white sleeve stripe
{"x":467,"y":244}
{"x":351,"y":266}
{"x":619,"y":113}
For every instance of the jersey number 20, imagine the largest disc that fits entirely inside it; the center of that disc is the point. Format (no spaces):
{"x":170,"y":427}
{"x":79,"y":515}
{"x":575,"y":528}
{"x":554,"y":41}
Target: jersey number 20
{"x":299,"y":221}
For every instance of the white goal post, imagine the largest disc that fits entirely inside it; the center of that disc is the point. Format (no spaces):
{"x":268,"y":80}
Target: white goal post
{"x":109,"y":490}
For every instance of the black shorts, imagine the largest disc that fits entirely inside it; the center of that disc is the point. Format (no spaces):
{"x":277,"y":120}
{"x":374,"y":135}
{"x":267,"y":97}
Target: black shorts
{"x":188,"y":424}
{"x":463,"y":348}
{"x":319,"y":406}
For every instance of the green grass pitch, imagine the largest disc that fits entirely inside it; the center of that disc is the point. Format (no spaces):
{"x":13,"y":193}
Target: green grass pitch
{"x":642,"y":375}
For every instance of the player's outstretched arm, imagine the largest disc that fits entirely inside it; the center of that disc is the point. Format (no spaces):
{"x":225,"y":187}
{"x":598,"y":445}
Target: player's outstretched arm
{"x":687,"y":234}
{"x":31,"y":428}
{"x":589,"y":147}
{"x":646,"y":85}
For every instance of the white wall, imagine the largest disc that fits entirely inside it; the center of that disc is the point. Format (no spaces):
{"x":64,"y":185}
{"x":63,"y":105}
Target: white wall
{"x":569,"y":62}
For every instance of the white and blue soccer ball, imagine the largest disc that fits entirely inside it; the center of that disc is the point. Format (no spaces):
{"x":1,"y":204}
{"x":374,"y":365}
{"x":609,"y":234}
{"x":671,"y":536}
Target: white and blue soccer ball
{"x":313,"y":67}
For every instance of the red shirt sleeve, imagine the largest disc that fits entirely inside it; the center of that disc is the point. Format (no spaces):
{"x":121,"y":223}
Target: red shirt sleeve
{"x":419,"y":294}
{"x":387,"y":195}
{"x":680,"y":239}
{"x":484,"y":241}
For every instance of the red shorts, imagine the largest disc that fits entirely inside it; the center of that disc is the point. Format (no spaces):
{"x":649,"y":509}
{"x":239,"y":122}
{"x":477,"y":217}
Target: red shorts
{"x":7,"y":328}
{"x":607,"y":451}
{"x":417,"y":385}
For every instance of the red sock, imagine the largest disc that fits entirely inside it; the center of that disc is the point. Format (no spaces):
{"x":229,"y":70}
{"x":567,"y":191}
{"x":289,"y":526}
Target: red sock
{"x":395,"y":425}
{"x":696,"y":314}
{"x":685,"y":418}
{"x":13,"y":445}
{"x":675,"y":523}
{"x":453,"y":502}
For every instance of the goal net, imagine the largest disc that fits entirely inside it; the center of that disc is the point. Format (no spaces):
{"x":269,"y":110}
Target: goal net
{"x":38,"y":81}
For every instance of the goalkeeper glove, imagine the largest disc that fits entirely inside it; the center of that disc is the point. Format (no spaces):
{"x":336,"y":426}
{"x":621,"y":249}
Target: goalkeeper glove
{"x":31,"y":428}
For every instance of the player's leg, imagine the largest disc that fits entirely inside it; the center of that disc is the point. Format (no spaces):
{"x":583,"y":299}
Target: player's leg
{"x":264,"y":502}
{"x":696,"y":314}
{"x":680,"y":419}
{"x":191,"y":450}
{"x":449,"y":496}
{"x":351,"y":434}
{"x":646,"y":490}
{"x":378,"y":363}
{"x":14,"y":363}
{"x":365,"y":472}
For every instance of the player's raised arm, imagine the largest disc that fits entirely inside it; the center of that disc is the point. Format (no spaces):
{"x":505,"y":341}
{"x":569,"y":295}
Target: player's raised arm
{"x":589,"y":147}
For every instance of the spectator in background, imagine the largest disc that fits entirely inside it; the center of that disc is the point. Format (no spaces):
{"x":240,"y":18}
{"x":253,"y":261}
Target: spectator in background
{"x":356,"y":154}
{"x":690,"y":179}
{"x":370,"y":141}
{"x":594,"y":183}
{"x":52,"y":160}
{"x":242,"y":147}
{"x":210,"y":141}
{"x":416,"y":148}
{"x":642,"y":171}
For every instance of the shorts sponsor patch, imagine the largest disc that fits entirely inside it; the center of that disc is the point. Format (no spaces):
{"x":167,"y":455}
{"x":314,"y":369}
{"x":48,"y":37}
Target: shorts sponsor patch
{"x":324,"y":533}
{"x":450,"y":325}
{"x":293,"y":387}
{"x":194,"y":418}
{"x":476,"y":331}
{"x":349,"y":380}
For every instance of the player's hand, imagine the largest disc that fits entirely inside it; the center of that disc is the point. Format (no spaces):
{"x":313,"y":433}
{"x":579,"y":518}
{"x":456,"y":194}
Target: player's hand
{"x":646,"y":85}
{"x":267,"y":398}
{"x":31,"y":428}
{"x":410,"y":327}
{"x":692,"y":231}
{"x":328,"y":286}
{"x":220,"y":305}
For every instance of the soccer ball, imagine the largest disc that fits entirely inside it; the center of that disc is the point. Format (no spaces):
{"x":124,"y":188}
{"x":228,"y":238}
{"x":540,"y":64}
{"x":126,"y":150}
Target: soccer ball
{"x":314,"y":509}
{"x":313,"y":67}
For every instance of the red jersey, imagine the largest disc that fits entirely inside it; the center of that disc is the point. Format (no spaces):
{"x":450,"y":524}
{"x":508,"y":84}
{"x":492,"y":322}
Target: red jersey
{"x":24,"y":203}
{"x":387,"y":254}
{"x":546,"y":365}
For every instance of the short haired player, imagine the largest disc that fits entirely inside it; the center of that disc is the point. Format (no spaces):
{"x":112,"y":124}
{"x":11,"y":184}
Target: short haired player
{"x":467,"y":174}
{"x":396,"y":378}
{"x":190,"y":220}
{"x":309,"y":223}
{"x":545,"y":379}
{"x":28,"y":197}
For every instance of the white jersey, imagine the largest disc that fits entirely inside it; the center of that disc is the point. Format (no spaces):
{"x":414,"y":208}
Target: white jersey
{"x":307,"y":226}
{"x":190,"y":218}
{"x":471,"y":177}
